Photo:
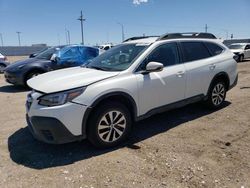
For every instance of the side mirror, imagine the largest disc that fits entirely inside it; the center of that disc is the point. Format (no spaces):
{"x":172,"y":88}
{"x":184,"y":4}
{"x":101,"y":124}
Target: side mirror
{"x":154,"y":67}
{"x":54,"y":58}
{"x":32,"y":55}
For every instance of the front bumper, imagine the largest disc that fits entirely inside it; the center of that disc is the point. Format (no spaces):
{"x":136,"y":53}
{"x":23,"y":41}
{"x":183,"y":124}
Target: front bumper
{"x":50,"y":130}
{"x":57,"y":124}
{"x":13,"y":78}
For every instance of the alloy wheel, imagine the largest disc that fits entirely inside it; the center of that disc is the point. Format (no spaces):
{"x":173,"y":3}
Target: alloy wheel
{"x":218,"y":94}
{"x":111,"y":126}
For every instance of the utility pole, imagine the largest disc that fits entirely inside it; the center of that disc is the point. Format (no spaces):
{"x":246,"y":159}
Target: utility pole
{"x":1,"y":37}
{"x":122,"y":27}
{"x":81,"y":19}
{"x":18,"y":35}
{"x":68,"y":36}
{"x":206,"y":28}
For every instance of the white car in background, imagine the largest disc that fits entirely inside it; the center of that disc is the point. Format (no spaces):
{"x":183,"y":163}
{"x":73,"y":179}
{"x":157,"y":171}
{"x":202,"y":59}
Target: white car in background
{"x":242,"y":50}
{"x":130,"y":82}
{"x":2,"y":57}
{"x":105,"y":46}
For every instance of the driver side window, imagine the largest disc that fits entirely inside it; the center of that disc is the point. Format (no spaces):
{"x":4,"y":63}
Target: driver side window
{"x":167,"y":54}
{"x":247,"y":47}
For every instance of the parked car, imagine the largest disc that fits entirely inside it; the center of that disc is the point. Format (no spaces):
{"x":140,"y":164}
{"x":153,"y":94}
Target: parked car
{"x":3,"y":65}
{"x":242,"y":50}
{"x":53,"y":58}
{"x":36,"y":53}
{"x":2,"y":57}
{"x":105,"y":46}
{"x":101,"y":100}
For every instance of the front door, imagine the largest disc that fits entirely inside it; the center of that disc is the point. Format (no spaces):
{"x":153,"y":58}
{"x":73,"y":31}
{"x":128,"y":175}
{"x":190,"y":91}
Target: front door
{"x":157,"y":89}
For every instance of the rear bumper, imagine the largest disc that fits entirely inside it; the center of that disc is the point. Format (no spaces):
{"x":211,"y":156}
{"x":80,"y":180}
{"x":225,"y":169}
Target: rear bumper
{"x":234,"y":83}
{"x":50,"y":130}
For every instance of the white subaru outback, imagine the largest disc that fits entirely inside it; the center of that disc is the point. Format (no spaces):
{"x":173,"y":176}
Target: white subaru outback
{"x":129,"y":82}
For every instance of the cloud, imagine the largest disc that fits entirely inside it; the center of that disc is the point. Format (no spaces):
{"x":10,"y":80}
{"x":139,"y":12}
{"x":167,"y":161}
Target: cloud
{"x":138,"y":2}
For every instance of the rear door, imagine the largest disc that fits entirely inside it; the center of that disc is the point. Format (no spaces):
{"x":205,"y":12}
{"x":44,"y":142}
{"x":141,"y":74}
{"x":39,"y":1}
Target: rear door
{"x":199,"y":67}
{"x":157,"y":89}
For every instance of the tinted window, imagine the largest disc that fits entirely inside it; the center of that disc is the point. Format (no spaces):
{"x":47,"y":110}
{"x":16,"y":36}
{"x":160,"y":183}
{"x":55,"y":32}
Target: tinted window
{"x":167,"y":54}
{"x":118,"y":58}
{"x":71,"y":52}
{"x":214,"y":48}
{"x":106,"y":48}
{"x":247,"y":47}
{"x":194,"y":51}
{"x":47,"y":53}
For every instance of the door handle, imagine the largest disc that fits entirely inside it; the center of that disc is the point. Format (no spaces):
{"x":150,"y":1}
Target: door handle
{"x":180,"y":74}
{"x":212,"y":67}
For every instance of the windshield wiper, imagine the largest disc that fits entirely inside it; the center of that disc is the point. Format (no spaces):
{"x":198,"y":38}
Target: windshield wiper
{"x":97,"y":68}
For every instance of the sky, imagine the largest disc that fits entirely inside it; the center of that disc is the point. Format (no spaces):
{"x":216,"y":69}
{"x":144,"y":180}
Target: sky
{"x":45,"y":21}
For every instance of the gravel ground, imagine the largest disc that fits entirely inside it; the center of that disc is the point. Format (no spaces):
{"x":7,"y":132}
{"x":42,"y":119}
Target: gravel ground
{"x":187,"y":147}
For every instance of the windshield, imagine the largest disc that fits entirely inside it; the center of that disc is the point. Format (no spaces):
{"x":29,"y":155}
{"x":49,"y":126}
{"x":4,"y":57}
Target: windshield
{"x":118,"y":58}
{"x":236,"y":46}
{"x":47,"y":53}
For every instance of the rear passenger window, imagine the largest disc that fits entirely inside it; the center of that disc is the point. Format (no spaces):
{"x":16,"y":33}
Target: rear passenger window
{"x":194,"y":51}
{"x":214,"y":48}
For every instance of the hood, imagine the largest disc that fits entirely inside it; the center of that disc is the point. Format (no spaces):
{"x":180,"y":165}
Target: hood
{"x":69,"y":78}
{"x":26,"y":61}
{"x":237,"y":50}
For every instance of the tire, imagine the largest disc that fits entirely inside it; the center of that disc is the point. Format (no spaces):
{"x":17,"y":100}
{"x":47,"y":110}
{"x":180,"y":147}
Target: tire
{"x":216,"y":95}
{"x":241,"y":58}
{"x":109,"y":125}
{"x":2,"y":67}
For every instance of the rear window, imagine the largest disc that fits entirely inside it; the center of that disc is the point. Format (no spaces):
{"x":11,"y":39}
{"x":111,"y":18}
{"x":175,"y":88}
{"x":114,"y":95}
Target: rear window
{"x":214,"y":48}
{"x":194,"y":51}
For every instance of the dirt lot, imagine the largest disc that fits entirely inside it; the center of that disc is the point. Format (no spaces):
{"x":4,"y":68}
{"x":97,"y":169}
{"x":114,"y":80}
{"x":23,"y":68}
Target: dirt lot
{"x":188,"y":147}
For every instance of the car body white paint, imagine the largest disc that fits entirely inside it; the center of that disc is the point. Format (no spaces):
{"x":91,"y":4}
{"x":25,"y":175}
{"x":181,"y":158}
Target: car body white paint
{"x":150,"y":91}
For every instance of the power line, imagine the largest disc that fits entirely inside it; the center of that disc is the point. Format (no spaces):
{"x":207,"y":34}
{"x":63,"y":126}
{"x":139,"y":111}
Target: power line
{"x":81,"y":19}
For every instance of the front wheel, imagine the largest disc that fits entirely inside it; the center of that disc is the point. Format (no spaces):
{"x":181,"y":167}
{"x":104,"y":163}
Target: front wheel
{"x":109,"y":125}
{"x":216,"y":95}
{"x":2,"y":67}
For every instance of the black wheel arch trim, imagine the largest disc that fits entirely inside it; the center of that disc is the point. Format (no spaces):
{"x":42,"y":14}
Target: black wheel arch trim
{"x":216,"y":77}
{"x":102,"y":98}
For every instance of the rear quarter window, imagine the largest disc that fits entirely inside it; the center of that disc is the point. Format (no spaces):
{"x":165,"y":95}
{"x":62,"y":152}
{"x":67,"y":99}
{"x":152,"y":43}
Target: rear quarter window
{"x":214,"y":48}
{"x":193,"y":51}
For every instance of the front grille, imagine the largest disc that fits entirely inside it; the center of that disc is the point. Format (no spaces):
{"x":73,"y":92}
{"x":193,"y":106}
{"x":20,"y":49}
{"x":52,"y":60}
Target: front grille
{"x":47,"y":134}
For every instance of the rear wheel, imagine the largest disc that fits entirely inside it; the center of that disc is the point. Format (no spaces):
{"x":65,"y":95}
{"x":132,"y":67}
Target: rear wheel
{"x":109,"y":125}
{"x":216,"y":95}
{"x":241,"y":58}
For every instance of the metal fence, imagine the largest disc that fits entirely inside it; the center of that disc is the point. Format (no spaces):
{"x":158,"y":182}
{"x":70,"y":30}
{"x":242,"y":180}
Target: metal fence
{"x":231,"y":41}
{"x":20,"y":50}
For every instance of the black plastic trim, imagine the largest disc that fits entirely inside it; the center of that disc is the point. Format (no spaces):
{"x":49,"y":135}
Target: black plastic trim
{"x":89,"y":109}
{"x":59,"y":134}
{"x":171,"y":106}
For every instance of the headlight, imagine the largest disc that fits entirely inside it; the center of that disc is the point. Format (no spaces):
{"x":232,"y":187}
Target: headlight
{"x":60,"y":98}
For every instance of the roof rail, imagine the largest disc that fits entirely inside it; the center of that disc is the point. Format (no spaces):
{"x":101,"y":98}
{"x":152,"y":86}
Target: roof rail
{"x":137,"y":38}
{"x":186,"y":35}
